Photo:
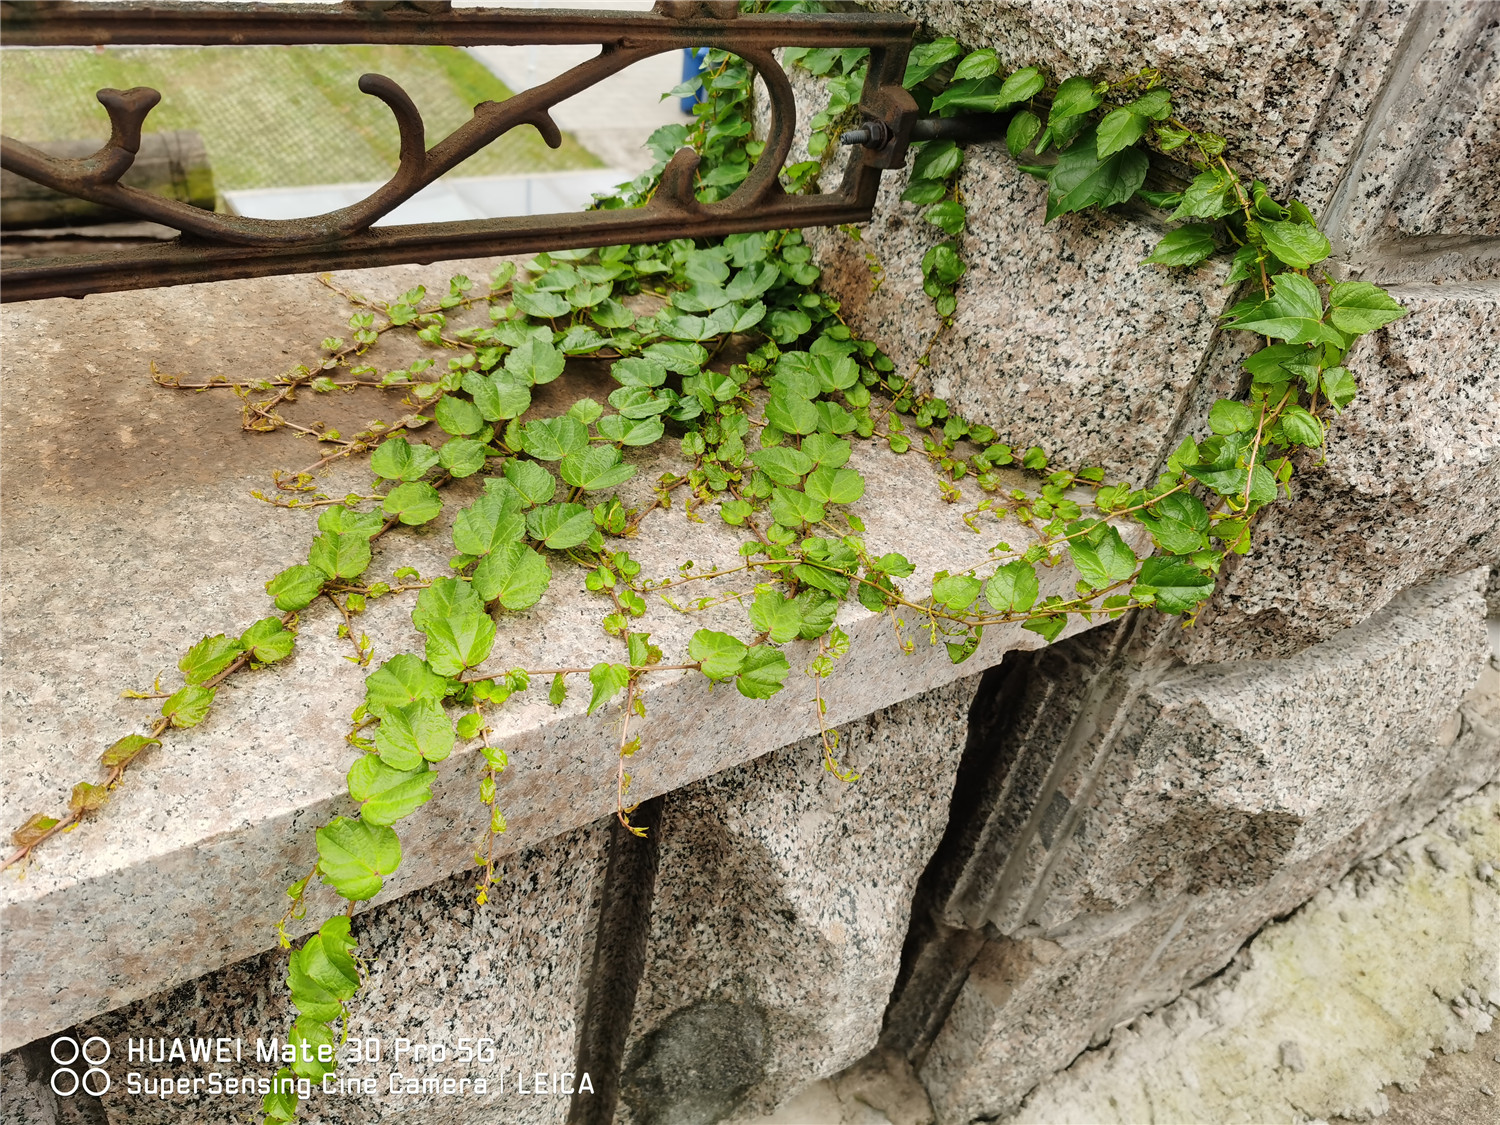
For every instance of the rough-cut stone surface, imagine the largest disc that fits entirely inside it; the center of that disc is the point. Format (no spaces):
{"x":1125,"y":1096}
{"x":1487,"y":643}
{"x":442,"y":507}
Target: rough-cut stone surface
{"x":1318,"y":1013}
{"x":1256,"y":73}
{"x":1410,"y":488}
{"x":781,"y":907}
{"x":127,"y":507}
{"x":1062,"y":337}
{"x":1227,"y":773}
{"x":1419,"y":180}
{"x":440,"y":967}
{"x":1231,"y":795}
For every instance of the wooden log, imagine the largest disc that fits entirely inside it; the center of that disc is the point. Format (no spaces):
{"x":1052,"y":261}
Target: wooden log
{"x":174,"y":164}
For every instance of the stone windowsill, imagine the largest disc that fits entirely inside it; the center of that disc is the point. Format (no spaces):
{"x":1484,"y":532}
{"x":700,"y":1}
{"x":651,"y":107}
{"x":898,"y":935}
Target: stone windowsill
{"x":131,"y":533}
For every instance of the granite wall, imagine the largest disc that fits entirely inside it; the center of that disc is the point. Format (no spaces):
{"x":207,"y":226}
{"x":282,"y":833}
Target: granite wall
{"x":1137,"y":803}
{"x":1038,"y":855}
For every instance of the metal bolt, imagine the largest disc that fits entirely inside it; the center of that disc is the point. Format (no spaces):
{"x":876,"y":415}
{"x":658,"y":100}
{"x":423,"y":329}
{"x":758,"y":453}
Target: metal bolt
{"x":874,"y":135}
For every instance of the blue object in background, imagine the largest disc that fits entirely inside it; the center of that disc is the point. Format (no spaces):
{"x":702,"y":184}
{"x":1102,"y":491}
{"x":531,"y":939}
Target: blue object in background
{"x":692,"y":67}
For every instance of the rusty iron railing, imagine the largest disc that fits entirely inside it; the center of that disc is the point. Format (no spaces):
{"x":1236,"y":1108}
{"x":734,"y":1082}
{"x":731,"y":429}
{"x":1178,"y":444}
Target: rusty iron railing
{"x":213,"y":246}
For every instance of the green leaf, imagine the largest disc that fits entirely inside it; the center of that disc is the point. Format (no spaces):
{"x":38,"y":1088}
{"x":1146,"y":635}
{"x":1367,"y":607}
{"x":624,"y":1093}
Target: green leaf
{"x":446,"y":597}
{"x":268,"y":641}
{"x":1120,"y":129}
{"x":1074,"y":96}
{"x":595,"y":468}
{"x":1178,"y":523}
{"x":398,"y":459}
{"x":631,"y":431}
{"x":515,"y":574}
{"x":1185,"y":246}
{"x":1358,"y":307}
{"x":937,"y":160}
{"x":956,"y":591}
{"x":791,"y":413}
{"x":346,"y":521}
{"x":1081,"y":179}
{"x":552,"y":439}
{"x":537,"y":303}
{"x":1209,"y":196}
{"x":209,"y":657}
{"x":455,"y":644}
{"x":535,"y":362}
{"x":560,"y":526}
{"x":353,"y":856}
{"x":827,"y":450}
{"x":296,"y":586}
{"x":558,"y":691}
{"x":926,"y":59}
{"x":775,"y":615}
{"x":1013,"y":587}
{"x":720,"y":655}
{"x":894,"y":564}
{"x":1023,"y":84}
{"x":1338,"y":387}
{"x":388,"y":794}
{"x":1021,"y":131}
{"x":342,"y":556}
{"x":1226,"y":478}
{"x":1102,"y":557}
{"x":462,"y":457}
{"x":399,"y":682}
{"x":1297,"y":245}
{"x":1228,"y":417}
{"x":791,"y":508}
{"x":1262,"y":486}
{"x":638,"y":371}
{"x":925,"y":191}
{"x":608,"y":681}
{"x":762,"y":673}
{"x":1173,"y":584}
{"x":497,"y":398}
{"x":414,"y":503}
{"x":783,"y":464}
{"x":835,"y":486}
{"x":977,"y":64}
{"x":948,"y":215}
{"x":535,"y":484}
{"x":419,"y":731}
{"x":491,"y":521}
{"x":677,"y":357}
{"x":1155,"y":104}
{"x":1293,"y":313}
{"x":458,"y":416}
{"x":189,"y":706}
{"x":1050,"y":627}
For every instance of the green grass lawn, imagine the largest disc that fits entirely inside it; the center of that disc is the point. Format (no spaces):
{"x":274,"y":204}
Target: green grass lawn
{"x":272,"y":116}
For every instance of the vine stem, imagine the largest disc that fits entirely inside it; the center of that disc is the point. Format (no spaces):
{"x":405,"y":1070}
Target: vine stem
{"x":634,"y":668}
{"x":76,"y":815}
{"x":621,"y":813}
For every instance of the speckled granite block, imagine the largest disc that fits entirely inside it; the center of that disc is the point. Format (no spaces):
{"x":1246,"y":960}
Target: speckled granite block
{"x":1062,"y":337}
{"x":127,"y":511}
{"x":1421,"y":176}
{"x":512,"y":972}
{"x":781,"y":905}
{"x":1232,"y":771}
{"x":1410,"y":488}
{"x":1236,"y":794}
{"x":1257,"y":73}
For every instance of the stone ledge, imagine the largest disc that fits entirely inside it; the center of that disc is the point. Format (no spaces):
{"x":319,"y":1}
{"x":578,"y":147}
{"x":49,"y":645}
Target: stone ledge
{"x":127,"y":511}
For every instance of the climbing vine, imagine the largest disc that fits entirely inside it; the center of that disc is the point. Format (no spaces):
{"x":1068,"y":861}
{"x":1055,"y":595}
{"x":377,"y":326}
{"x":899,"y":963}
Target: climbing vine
{"x":729,"y":350}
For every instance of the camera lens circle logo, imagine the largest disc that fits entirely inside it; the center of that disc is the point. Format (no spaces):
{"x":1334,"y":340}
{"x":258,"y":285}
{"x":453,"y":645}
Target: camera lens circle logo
{"x":67,"y":1053}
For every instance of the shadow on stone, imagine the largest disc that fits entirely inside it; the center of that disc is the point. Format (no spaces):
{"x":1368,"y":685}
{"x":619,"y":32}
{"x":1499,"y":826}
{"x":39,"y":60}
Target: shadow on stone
{"x":695,"y":1068}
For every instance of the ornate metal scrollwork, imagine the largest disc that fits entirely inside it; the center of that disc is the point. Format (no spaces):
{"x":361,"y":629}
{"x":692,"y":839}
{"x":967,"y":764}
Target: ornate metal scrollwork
{"x":214,"y":246}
